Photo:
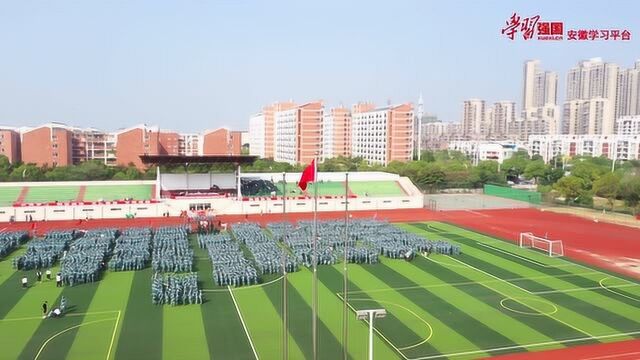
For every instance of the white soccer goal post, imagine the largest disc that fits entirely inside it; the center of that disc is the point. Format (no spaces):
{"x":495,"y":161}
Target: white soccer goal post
{"x":552,"y":247}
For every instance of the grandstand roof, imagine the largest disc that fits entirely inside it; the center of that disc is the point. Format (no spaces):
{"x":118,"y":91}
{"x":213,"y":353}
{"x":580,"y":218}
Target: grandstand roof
{"x":205,"y":159}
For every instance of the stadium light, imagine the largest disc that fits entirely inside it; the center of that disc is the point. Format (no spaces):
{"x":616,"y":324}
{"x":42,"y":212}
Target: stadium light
{"x":370,"y":314}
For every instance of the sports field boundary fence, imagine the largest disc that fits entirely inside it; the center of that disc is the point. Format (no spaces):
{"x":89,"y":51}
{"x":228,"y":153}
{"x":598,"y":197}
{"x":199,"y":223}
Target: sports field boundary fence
{"x":532,"y":197}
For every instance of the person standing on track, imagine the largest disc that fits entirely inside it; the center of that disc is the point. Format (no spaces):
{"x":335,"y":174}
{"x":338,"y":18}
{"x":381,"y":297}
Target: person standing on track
{"x":45,"y":307}
{"x":58,"y":280}
{"x":25,"y":281}
{"x":48,"y":272}
{"x":39,"y":275}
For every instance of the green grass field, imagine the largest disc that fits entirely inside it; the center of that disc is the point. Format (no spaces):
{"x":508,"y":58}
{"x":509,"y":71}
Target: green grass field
{"x":8,"y":195}
{"x":51,"y":193}
{"x":117,"y":192}
{"x":359,"y":188}
{"x":495,"y":298}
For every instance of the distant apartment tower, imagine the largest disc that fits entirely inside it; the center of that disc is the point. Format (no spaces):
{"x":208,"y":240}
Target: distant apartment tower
{"x":474,"y":123}
{"x":298,"y":133}
{"x":540,"y":112}
{"x":336,"y":133}
{"x":268,"y":113}
{"x":10,"y":144}
{"x":504,"y":113}
{"x":628,"y":92}
{"x":382,"y":135}
{"x":49,"y":144}
{"x":436,"y":135}
{"x":590,"y":104}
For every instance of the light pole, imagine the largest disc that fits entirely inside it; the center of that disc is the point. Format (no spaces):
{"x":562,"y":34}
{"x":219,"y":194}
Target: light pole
{"x":370,"y":314}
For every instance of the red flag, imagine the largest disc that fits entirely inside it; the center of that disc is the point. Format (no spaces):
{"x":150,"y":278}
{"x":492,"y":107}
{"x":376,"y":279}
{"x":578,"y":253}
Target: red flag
{"x":308,"y":175}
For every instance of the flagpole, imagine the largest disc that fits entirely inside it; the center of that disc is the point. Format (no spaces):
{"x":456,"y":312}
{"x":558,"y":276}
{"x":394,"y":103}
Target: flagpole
{"x":285,"y":325}
{"x":314,"y":284}
{"x":345,"y":308}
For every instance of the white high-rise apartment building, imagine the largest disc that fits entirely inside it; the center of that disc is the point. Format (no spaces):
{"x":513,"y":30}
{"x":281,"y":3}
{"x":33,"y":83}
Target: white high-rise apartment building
{"x":503,"y":113}
{"x":474,"y":123}
{"x":257,"y":135}
{"x":285,"y":133}
{"x":628,"y":92}
{"x":540,"y":111}
{"x":590,"y":104}
{"x":327,"y":136}
{"x":382,"y":135}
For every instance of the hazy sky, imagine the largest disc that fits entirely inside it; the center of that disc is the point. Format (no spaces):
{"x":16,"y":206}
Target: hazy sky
{"x":191,"y":65}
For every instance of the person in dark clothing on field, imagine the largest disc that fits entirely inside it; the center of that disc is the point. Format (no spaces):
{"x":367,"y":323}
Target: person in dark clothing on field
{"x":39,"y":275}
{"x":45,"y":307}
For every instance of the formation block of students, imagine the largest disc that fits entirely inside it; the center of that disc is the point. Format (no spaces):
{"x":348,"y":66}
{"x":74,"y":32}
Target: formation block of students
{"x":44,"y":252}
{"x":265,"y":250}
{"x":175,"y":289}
{"x":87,"y":255}
{"x":132,"y":250}
{"x":171,"y":250}
{"x":10,"y":240}
{"x":230,"y":267}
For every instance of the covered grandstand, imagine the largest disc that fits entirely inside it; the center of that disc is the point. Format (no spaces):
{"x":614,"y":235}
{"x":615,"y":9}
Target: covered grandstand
{"x":212,"y":193}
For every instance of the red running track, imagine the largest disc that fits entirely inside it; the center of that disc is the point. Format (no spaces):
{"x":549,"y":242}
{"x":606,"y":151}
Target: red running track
{"x":609,"y":246}
{"x":624,"y":350}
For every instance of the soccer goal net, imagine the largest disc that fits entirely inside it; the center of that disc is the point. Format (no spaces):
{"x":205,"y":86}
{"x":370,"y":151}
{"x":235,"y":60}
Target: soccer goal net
{"x":551,"y":247}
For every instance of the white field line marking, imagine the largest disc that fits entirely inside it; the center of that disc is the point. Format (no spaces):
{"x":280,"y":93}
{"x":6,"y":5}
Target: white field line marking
{"x":477,"y":213}
{"x":536,"y":262}
{"x":610,"y":289}
{"x":529,"y":306}
{"x":612,"y":356}
{"x":113,"y":336}
{"x":245,"y":287}
{"x":377,"y":332}
{"x":68,"y":329}
{"x":65,"y":315}
{"x":244,"y":326}
{"x":566,"y":265}
{"x":467,"y":283}
{"x":527,"y":346}
{"x":424,"y":340}
{"x":490,"y":275}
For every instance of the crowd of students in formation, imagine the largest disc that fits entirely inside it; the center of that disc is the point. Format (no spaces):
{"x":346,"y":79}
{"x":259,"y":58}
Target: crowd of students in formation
{"x":86,"y":257}
{"x":42,"y":253}
{"x":175,"y":289}
{"x":10,"y":240}
{"x":132,"y":250}
{"x":230,"y":268}
{"x":171,"y":250}
{"x":167,"y":249}
{"x":267,"y":254}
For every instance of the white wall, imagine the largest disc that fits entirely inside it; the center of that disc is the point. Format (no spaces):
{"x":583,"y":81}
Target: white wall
{"x":77,"y":183}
